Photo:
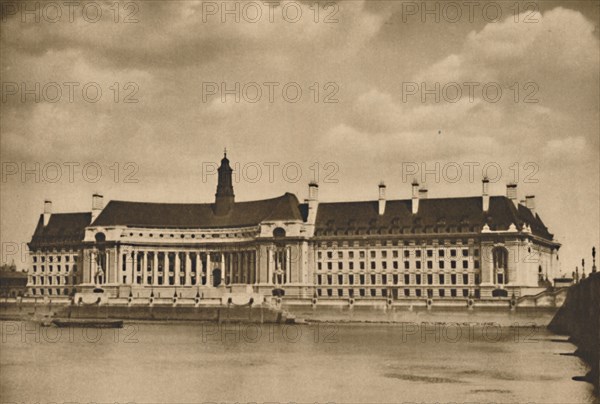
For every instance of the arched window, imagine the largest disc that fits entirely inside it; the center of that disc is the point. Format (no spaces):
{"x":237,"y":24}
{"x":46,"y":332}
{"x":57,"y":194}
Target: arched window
{"x":500,"y":256}
{"x":100,"y":237}
{"x":278,"y":232}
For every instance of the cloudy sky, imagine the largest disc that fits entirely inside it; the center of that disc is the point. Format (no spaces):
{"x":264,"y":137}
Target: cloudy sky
{"x":367,"y":111}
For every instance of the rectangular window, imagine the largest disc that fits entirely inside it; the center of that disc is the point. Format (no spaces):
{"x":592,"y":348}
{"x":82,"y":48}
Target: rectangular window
{"x":430,"y":253}
{"x":453,"y":264}
{"x":361,"y":254}
{"x":351,"y":254}
{"x":430,"y":279}
{"x":418,"y":264}
{"x":429,"y":264}
{"x":406,"y":254}
{"x":453,"y":292}
{"x":465,"y":252}
{"x":362,"y":279}
{"x":442,"y":292}
{"x":395,"y":264}
{"x":476,"y":279}
{"x":340,"y":292}
{"x":465,"y":292}
{"x":384,"y":264}
{"x":362,"y":292}
{"x":329,"y":266}
{"x":395,"y":279}
{"x":319,"y":279}
{"x":418,"y":279}
{"x":407,"y":292}
{"x":34,"y":259}
{"x":351,"y":265}
{"x":441,"y":264}
{"x":373,"y":293}
{"x":319,"y":255}
{"x":384,"y":279}
{"x":453,"y":252}
{"x":340,"y":279}
{"x":442,"y":279}
{"x":465,"y":264}
{"x":476,"y":252}
{"x":351,"y":279}
{"x":406,"y":265}
{"x":418,"y":253}
{"x":362,"y":265}
{"x":329,"y":254}
{"x":340,"y":255}
{"x":340,"y":266}
{"x":395,"y":254}
{"x":440,"y":253}
{"x":372,"y":264}
{"x":58,"y":258}
{"x":384,"y":254}
{"x":476,"y":264}
{"x":418,"y":292}
{"x":453,"y":279}
{"x":34,"y":268}
{"x":319,"y":266}
{"x":373,"y":254}
{"x":373,"y":279}
{"x":329,"y":292}
{"x":406,"y":279}
{"x":465,"y":279}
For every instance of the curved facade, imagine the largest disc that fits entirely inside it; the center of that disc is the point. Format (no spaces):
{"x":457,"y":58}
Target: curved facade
{"x":471,"y":247}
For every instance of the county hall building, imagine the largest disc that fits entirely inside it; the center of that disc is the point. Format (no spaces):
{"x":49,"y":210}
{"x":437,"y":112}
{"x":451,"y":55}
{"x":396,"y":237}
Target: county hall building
{"x":476,"y":247}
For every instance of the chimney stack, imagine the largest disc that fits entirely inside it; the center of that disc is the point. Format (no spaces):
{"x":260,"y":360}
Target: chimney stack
{"x":97,"y":205}
{"x":47,"y":211}
{"x":415,"y":196}
{"x":313,"y":202}
{"x":530,"y":203}
{"x":381,"y":198}
{"x":423,"y":193}
{"x":511,"y":193}
{"x":485,"y":182}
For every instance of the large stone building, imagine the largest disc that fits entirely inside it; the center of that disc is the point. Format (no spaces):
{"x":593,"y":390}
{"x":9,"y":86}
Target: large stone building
{"x":448,"y":248}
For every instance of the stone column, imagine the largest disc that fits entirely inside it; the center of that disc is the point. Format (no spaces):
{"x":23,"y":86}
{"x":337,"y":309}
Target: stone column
{"x":177,"y":268}
{"x":269,"y":266}
{"x":135,"y":266}
{"x":166,"y":269}
{"x":208,"y":270}
{"x":188,"y":269}
{"x":155,"y":268}
{"x":288,"y":269}
{"x":144,"y":266}
{"x":223,"y":269}
{"x":198,"y":269}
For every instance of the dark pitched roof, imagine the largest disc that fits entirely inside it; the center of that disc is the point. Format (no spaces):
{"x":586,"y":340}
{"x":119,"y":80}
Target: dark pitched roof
{"x":441,"y":215}
{"x":63,"y":228}
{"x":172,"y":215}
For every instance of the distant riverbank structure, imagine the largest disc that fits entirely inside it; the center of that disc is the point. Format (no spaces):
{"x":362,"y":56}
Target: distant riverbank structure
{"x":477,"y":247}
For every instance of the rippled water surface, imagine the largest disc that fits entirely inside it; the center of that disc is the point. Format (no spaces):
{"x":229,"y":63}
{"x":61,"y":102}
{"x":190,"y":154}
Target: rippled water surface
{"x":310,"y":363}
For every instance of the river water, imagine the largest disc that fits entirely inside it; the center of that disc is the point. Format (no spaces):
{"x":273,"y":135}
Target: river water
{"x":185,"y":363}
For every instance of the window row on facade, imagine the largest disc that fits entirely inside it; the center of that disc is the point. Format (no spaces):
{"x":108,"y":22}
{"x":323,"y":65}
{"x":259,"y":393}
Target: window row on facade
{"x":52,"y":280}
{"x":406,"y":253}
{"x":57,"y":291}
{"x":397,"y":293}
{"x":59,"y":268}
{"x":414,"y":279}
{"x":43,"y":257}
{"x":385,"y":265}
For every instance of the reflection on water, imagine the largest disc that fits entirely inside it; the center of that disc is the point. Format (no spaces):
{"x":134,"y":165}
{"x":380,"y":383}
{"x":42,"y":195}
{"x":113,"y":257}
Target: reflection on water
{"x":147,"y":362}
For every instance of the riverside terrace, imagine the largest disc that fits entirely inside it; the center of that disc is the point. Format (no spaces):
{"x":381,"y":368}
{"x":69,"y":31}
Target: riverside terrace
{"x":476,"y":247}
